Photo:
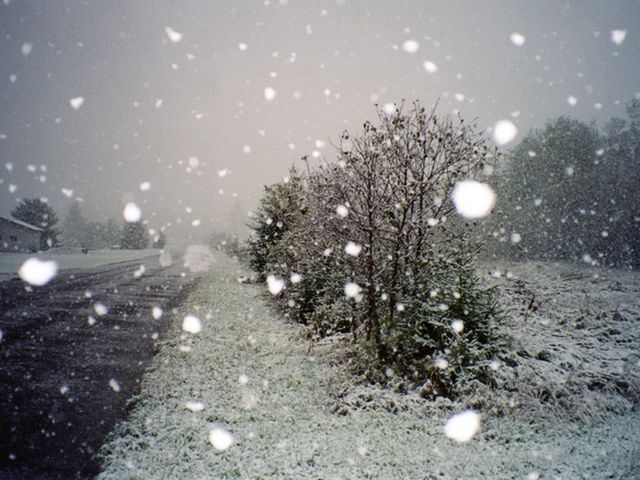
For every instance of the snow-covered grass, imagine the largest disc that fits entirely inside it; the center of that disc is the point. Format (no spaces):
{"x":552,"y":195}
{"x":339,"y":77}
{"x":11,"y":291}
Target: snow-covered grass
{"x":69,"y":259}
{"x":293,"y":410}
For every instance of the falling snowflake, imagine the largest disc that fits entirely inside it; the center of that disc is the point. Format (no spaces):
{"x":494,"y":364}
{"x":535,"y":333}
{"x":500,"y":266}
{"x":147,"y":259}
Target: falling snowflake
{"x":220,"y":439}
{"x":76,"y":102}
{"x":246,"y":149}
{"x":165,"y":259}
{"x":274,"y":284}
{"x":473,"y":199}
{"x":243,"y":46}
{"x":517,"y":39}
{"x":115,"y":386}
{"x":132,"y":213}
{"x":571,"y":100}
{"x":145,"y":186}
{"x":67,"y":192}
{"x":342,"y":211}
{"x":26,"y":49}
{"x":457,"y":326}
{"x":223,"y":173}
{"x":38,"y":272}
{"x":389,"y":108}
{"x":191,"y":324}
{"x":352,"y":290}
{"x":296,"y":278}
{"x":430,"y":67}
{"x":617,"y":36}
{"x":156,"y":313}
{"x":410,"y":46}
{"x":174,"y":36}
{"x":100,"y":309}
{"x":463,"y":426}
{"x":269,"y":94}
{"x":352,"y":249}
{"x":503,"y":132}
{"x":194,"y":406}
{"x":139,"y":272}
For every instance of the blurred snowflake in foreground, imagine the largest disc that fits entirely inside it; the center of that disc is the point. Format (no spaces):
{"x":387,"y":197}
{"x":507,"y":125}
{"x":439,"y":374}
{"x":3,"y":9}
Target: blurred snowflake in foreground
{"x":38,"y":272}
{"x":463,"y":426}
{"x":473,"y":199}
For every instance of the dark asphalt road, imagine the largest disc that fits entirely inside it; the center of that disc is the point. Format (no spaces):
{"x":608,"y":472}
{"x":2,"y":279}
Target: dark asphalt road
{"x":57,"y":397}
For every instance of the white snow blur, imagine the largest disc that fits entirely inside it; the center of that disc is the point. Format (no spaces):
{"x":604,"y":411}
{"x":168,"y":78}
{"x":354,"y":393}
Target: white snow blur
{"x":198,"y":258}
{"x":38,"y":272}
{"x":174,"y":36}
{"x":457,"y":325}
{"x":473,"y":199}
{"x":132,"y":213}
{"x":194,"y":406}
{"x":410,"y":46}
{"x":220,"y":439}
{"x":156,"y":313}
{"x":165,"y":259}
{"x":269,"y":94}
{"x":191,"y":324}
{"x":352,"y":249}
{"x":618,"y":36}
{"x":430,"y":67}
{"x":115,"y":386}
{"x":274,"y":284}
{"x":517,"y":39}
{"x":503,"y":132}
{"x":100,"y":309}
{"x":352,"y":290}
{"x":463,"y":426}
{"x":76,"y":102}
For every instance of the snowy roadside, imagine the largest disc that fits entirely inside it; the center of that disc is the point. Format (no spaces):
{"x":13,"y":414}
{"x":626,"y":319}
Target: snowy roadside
{"x":11,"y":262}
{"x":248,"y":373}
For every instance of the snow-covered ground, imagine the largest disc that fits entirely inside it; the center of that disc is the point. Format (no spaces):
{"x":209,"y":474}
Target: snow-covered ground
{"x":293,"y":411}
{"x":69,"y":259}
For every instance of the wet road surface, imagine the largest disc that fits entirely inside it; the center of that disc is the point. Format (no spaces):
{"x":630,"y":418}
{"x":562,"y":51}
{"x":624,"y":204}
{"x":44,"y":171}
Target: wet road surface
{"x":67,"y":373}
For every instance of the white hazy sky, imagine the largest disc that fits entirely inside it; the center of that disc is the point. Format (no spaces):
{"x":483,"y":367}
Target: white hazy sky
{"x":151,"y":104}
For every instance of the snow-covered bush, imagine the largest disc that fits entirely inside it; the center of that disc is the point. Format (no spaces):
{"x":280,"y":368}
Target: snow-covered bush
{"x":372,"y":245}
{"x":279,"y":209}
{"x":134,"y":236}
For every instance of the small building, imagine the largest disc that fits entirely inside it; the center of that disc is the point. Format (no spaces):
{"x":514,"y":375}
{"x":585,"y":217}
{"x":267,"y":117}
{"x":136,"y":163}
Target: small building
{"x":17,"y":236}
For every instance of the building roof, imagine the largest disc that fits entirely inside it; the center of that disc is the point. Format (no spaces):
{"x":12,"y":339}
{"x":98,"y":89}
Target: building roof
{"x":21,"y":223}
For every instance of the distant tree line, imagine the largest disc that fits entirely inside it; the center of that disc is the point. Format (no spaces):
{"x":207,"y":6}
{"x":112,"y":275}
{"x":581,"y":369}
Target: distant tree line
{"x":570,"y":191}
{"x":371,"y":246}
{"x":78,"y":231}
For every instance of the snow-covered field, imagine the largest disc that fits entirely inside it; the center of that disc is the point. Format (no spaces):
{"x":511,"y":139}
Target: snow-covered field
{"x":246,"y":397}
{"x":69,"y":259}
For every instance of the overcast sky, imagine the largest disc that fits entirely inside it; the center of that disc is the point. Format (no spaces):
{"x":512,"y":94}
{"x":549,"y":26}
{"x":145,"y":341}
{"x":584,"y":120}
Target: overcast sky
{"x":152,"y":105}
